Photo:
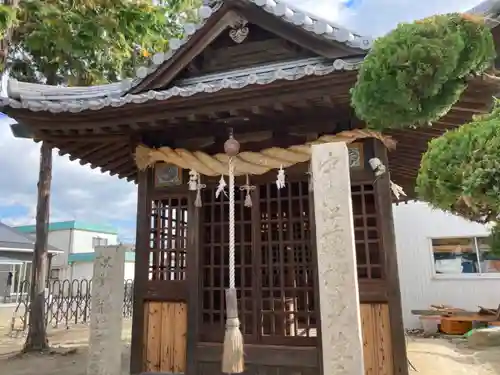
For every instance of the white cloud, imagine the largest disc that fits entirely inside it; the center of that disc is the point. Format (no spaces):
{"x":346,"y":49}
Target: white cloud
{"x":376,"y":17}
{"x":78,"y":192}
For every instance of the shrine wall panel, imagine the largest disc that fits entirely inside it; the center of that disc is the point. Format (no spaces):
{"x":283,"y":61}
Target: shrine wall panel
{"x":165,"y":330}
{"x":271,"y":360}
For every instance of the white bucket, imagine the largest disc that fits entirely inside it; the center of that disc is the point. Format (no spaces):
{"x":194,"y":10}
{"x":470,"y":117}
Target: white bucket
{"x":430,"y":324}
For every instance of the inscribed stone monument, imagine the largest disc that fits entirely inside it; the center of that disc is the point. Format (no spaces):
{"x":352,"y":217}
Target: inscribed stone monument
{"x":336,"y":256}
{"x":106,"y":311}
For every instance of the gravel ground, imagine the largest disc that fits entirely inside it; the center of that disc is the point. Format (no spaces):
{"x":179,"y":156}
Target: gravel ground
{"x":443,"y":357}
{"x":429,"y":356}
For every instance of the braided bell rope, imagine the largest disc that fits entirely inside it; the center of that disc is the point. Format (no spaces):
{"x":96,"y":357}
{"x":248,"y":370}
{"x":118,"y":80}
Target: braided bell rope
{"x":247,"y":162}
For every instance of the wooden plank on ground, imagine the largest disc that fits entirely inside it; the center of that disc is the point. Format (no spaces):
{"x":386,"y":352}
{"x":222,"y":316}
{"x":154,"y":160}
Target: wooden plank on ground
{"x":442,"y":312}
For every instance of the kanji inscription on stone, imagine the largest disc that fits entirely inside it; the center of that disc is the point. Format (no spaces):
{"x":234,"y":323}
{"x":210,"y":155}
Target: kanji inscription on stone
{"x":336,"y":261}
{"x":106,"y":311}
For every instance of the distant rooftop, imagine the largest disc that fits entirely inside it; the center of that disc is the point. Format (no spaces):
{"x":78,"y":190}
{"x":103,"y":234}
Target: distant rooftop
{"x":67,"y":225}
{"x":12,"y":239}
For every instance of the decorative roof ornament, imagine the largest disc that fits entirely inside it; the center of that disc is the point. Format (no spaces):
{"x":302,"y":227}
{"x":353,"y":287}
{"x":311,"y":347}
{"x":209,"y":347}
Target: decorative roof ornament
{"x":239,"y":30}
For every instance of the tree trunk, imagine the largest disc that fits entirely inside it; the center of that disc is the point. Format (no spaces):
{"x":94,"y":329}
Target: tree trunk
{"x":37,"y":333}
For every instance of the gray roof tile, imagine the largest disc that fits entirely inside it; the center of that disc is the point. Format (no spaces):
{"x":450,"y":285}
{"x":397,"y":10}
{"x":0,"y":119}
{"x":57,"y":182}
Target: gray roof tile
{"x":12,"y":239}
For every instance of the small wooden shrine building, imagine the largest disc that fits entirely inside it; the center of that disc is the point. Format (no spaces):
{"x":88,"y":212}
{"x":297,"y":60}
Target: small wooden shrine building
{"x":279,"y":78}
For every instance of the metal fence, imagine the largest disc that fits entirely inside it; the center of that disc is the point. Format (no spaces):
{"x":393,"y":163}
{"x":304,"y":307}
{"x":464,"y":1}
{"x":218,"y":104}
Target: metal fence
{"x":67,"y":302}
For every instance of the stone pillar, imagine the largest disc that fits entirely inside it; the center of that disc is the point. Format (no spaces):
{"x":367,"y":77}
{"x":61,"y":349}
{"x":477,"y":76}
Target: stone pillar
{"x":341,"y":341}
{"x":105,"y":346}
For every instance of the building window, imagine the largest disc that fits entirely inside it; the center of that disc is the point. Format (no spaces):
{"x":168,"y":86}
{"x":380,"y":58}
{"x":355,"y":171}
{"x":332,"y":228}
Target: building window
{"x":98,"y":241}
{"x":55,"y":274}
{"x":464,"y":255}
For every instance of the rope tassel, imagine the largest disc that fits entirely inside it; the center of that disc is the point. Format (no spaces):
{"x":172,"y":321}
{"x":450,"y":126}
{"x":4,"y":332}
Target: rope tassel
{"x":232,"y":357}
{"x":247,"y":188}
{"x":199,"y":186}
{"x":248,"y":200}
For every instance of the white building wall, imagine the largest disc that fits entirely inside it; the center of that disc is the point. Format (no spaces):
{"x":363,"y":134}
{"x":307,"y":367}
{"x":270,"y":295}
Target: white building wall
{"x":129,"y":270}
{"x":415,"y":224}
{"x":62,"y":240}
{"x":74,"y":241}
{"x":82,"y":240}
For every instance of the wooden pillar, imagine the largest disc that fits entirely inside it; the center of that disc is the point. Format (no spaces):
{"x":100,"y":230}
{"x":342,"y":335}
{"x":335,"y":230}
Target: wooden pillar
{"x":336,"y":261}
{"x":37,"y":333}
{"x":193,"y":281}
{"x":388,"y":241}
{"x":141,"y":271}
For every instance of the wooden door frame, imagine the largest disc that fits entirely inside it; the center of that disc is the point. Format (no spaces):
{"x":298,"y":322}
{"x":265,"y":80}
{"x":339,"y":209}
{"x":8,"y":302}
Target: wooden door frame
{"x":388,"y":241}
{"x":141,"y":269}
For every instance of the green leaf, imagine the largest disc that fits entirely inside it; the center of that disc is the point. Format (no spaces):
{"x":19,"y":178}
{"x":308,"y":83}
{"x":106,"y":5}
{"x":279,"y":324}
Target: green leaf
{"x":86,"y":42}
{"x":460,"y":171}
{"x":414,"y":74}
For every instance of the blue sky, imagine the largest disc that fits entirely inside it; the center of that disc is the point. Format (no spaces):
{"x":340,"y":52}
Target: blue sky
{"x":80,"y":193}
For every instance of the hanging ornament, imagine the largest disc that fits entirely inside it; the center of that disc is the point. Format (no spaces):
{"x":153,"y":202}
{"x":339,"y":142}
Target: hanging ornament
{"x":280,"y":180}
{"x":199,"y":186}
{"x":397,"y":190}
{"x":311,"y":181}
{"x":220,"y":188}
{"x":247,"y":188}
{"x":193,"y":180}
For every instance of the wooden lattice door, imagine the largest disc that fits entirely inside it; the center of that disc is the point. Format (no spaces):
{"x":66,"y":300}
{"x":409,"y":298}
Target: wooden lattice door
{"x":168,"y":239}
{"x":369,"y":252}
{"x":274,"y":265}
{"x":286,"y":292}
{"x":167,"y":290}
{"x":215,"y":265}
